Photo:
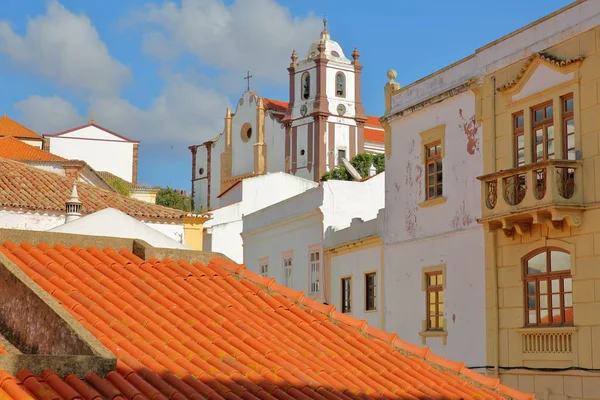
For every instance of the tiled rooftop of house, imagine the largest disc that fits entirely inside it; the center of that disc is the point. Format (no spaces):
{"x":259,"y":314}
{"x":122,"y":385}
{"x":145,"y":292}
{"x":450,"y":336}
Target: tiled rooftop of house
{"x":15,"y":149}
{"x":110,"y":177}
{"x":184,"y":329}
{"x":28,"y":188}
{"x":10,"y":127}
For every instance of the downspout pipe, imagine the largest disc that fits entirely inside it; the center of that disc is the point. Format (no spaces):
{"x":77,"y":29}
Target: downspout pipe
{"x":494,"y":241}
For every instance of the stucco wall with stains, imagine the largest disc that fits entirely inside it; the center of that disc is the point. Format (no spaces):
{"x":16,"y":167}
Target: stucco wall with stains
{"x":420,"y":234}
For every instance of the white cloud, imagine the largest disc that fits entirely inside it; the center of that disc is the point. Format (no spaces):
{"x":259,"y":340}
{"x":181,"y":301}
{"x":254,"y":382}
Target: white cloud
{"x":255,"y":35}
{"x":65,"y":48}
{"x":48,"y":114}
{"x":182,"y":115}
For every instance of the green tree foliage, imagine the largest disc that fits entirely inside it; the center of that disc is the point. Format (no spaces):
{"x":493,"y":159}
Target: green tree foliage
{"x":120,"y":186}
{"x":170,"y":197}
{"x":361,"y":162}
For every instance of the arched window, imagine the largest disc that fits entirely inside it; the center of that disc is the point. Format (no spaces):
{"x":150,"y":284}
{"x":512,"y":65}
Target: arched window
{"x":305,"y":85}
{"x":548,"y":288}
{"x":340,"y":84}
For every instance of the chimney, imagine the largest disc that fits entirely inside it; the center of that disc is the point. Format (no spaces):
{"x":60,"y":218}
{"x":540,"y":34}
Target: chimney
{"x":72,"y":169}
{"x":73,"y":206}
{"x":372,"y":170}
{"x":134,"y":164}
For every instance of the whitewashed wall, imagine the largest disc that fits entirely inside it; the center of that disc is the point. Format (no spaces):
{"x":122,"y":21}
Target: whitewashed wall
{"x":298,"y":224}
{"x":43,"y":222}
{"x":243,"y":152}
{"x":275,"y":141}
{"x":463,"y":254}
{"x":33,"y":142}
{"x":355,"y":265}
{"x":257,"y":193}
{"x":29,"y":221}
{"x":448,"y":233}
{"x":102,"y":151}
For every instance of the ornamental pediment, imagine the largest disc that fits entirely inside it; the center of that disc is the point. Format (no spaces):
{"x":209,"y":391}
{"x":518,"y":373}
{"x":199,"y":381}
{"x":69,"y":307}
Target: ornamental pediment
{"x":540,"y":73}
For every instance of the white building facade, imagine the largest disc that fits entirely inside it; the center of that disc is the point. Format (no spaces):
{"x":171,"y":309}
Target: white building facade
{"x":354,"y":269}
{"x":285,"y":240}
{"x":102,"y":149}
{"x":434,"y":247}
{"x":223,"y":232}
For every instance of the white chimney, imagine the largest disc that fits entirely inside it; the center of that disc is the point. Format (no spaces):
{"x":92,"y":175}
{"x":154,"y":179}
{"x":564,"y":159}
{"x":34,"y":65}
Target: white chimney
{"x":372,"y":171}
{"x":73,"y":207}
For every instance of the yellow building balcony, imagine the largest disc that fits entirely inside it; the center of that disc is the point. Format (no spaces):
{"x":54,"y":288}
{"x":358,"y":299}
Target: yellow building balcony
{"x":547,"y":192}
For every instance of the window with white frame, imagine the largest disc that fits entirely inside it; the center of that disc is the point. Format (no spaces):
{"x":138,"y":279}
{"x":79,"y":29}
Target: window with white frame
{"x":287,"y":272}
{"x":264,"y":269}
{"x":315,"y":272}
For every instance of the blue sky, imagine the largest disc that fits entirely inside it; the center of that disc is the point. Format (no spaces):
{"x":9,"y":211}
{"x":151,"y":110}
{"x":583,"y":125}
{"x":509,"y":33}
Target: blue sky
{"x":163,"y":71}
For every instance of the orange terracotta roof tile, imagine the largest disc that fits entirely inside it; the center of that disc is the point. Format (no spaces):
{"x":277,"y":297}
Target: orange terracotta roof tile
{"x":275,"y":105}
{"x":373,"y":121}
{"x":15,"y":149}
{"x":10,"y":127}
{"x":28,"y":188}
{"x":186,"y":330}
{"x":374,"y":135}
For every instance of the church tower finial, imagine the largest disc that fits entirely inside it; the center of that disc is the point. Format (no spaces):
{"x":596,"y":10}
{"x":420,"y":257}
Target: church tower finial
{"x":324,"y":23}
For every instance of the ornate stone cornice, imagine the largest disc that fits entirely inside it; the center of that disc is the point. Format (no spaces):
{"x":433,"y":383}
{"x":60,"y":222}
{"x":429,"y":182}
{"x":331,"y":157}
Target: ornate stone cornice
{"x":428,"y":102}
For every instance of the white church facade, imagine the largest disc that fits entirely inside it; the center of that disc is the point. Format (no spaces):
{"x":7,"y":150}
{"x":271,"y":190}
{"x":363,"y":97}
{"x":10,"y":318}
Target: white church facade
{"x":323,"y":122}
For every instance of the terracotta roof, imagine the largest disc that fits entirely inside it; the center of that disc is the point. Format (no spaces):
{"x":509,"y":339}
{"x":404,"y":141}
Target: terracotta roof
{"x":29,"y":188}
{"x":374,"y":135}
{"x":126,"y":139}
{"x":373,"y":121}
{"x":110,"y":177}
{"x":276,"y":105}
{"x":10,"y":127}
{"x":15,"y":149}
{"x":186,"y":330}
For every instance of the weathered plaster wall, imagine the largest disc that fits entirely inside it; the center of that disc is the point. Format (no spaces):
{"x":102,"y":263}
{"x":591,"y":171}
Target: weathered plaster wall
{"x":462,"y":164}
{"x":443,"y":231}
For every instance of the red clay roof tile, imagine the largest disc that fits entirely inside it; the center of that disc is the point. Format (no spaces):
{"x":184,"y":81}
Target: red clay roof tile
{"x":15,"y":149}
{"x":28,"y":188}
{"x":10,"y":127}
{"x":186,"y":330}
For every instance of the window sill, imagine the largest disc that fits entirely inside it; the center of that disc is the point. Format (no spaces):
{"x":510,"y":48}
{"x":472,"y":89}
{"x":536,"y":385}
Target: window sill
{"x":432,"y":334}
{"x":370,"y":311}
{"x":432,"y":202}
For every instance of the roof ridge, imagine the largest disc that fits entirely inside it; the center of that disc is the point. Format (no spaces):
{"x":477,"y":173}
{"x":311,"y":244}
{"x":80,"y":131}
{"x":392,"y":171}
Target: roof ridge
{"x":392,"y":339}
{"x":153,"y":210}
{"x":19,"y":125}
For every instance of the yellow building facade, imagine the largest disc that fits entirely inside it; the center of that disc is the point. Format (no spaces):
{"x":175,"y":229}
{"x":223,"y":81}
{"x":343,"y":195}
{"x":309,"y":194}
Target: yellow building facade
{"x":541,"y":213}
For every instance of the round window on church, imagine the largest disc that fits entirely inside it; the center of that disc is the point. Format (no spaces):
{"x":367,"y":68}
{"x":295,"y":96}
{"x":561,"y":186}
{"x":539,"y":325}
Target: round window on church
{"x":302,"y":152}
{"x":201,"y":171}
{"x":246,"y":132}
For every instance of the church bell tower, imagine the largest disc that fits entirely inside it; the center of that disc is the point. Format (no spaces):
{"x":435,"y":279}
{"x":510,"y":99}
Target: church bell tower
{"x":324,"y":121}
